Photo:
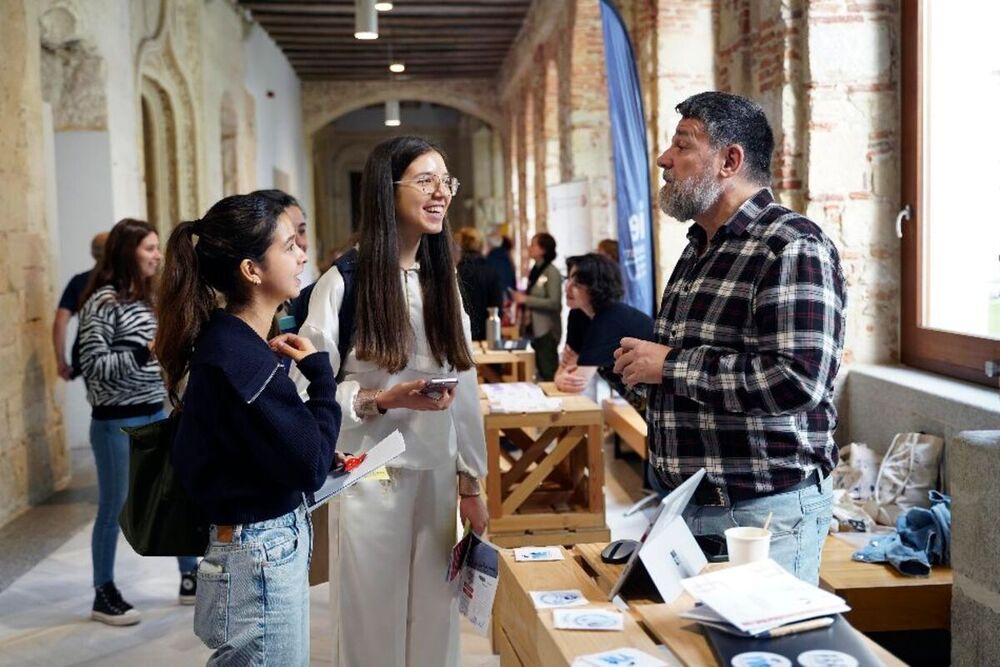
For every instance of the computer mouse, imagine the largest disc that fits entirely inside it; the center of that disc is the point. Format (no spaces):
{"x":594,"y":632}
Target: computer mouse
{"x":619,"y":551}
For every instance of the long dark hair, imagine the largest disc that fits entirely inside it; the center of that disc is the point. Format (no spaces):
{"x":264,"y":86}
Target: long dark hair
{"x":548,"y":245}
{"x":119,"y":267}
{"x":202,"y":265}
{"x":382,"y":326}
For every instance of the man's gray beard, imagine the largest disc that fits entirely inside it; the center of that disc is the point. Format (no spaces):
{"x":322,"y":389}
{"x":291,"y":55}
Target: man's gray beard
{"x":686,"y":199}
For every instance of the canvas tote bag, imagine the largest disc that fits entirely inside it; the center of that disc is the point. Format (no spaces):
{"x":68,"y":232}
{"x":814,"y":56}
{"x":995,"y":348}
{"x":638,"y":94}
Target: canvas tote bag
{"x":909,"y":470}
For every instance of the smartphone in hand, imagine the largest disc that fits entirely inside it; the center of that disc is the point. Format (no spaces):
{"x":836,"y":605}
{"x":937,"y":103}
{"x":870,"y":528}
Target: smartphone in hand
{"x":435,"y":387}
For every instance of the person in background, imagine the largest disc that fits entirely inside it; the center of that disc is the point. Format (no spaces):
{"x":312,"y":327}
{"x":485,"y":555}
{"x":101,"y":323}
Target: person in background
{"x":609,"y":248}
{"x":124,"y":388}
{"x":247,"y":448}
{"x":69,"y":305}
{"x":479,"y":283}
{"x":748,"y":341}
{"x":594,"y":288}
{"x":499,"y":258}
{"x":542,"y":301}
{"x":395,"y":535}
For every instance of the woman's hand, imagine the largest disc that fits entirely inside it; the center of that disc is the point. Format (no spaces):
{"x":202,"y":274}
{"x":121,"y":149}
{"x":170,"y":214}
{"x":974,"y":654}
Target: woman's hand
{"x":570,"y":380}
{"x":294,"y":347}
{"x":407,"y":395}
{"x":473,"y":510}
{"x":518,"y":297}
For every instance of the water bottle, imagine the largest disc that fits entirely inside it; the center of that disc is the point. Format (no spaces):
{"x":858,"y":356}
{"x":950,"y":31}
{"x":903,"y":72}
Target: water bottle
{"x":493,"y":330}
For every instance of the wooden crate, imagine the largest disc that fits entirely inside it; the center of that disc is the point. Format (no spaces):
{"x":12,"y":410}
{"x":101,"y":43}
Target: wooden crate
{"x":553,"y":492}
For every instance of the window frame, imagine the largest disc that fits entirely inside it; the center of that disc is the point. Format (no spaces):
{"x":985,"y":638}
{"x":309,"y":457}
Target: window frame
{"x":956,"y":355}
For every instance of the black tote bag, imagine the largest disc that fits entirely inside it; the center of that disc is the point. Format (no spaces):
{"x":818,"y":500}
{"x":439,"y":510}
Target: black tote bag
{"x":158,"y":518}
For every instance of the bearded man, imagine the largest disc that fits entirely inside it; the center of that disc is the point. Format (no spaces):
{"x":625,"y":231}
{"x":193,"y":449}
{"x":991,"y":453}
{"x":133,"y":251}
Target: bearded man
{"x":748,"y":340}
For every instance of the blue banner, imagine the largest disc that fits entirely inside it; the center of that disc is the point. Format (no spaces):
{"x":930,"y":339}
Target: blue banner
{"x":632,"y":160}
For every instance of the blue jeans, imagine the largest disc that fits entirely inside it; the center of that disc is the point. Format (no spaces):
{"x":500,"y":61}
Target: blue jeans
{"x":110,"y":446}
{"x":799,"y":524}
{"x":253,"y":593}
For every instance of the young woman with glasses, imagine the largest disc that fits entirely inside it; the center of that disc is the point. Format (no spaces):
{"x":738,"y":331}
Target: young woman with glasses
{"x":395,"y":533}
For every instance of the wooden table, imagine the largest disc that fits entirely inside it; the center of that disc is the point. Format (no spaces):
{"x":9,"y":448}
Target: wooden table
{"x":520,"y":364}
{"x":553,"y":492}
{"x":629,"y":426}
{"x":882,"y":599}
{"x":525,"y":636}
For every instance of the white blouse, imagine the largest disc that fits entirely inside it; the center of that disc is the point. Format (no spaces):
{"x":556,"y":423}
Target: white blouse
{"x":432,"y":437}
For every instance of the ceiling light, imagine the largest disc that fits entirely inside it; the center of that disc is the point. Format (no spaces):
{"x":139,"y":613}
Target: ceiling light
{"x":383,"y":6}
{"x":397,"y":67}
{"x":365,"y":20}
{"x":392,"y":113}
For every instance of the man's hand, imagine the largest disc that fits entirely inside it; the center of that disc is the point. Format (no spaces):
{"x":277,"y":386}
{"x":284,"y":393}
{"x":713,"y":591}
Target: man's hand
{"x":640,"y":361}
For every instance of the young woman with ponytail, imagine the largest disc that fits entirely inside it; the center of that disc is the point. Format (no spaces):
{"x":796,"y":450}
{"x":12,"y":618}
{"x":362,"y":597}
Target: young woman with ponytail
{"x":391,"y":604}
{"x":247,"y":447}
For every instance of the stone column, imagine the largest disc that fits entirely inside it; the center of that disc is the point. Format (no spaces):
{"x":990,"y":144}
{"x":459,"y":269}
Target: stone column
{"x":973,"y":469}
{"x":33,"y":456}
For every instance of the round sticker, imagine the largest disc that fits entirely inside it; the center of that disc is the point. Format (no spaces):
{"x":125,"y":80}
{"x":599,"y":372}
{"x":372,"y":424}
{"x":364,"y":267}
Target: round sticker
{"x":760,"y":659}
{"x":827,"y":658}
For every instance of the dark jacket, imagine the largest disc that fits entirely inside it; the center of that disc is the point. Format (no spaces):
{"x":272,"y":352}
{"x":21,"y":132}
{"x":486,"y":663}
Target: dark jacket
{"x":247,"y":447}
{"x":499,"y":260}
{"x":481,"y":289}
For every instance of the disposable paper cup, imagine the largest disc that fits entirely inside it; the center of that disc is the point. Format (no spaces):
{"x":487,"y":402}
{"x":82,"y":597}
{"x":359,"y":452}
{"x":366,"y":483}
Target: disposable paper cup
{"x":747,"y":544}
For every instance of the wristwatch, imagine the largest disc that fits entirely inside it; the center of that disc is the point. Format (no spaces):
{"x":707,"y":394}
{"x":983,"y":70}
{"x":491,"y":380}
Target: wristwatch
{"x":468,"y":485}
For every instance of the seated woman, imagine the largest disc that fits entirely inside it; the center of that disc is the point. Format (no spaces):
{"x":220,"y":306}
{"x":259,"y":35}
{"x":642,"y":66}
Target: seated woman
{"x":594,"y":288}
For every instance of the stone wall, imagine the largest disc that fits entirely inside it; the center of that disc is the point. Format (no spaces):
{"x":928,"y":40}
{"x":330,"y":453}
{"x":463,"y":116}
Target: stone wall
{"x":33,"y":458}
{"x":975,"y":602}
{"x":826,"y":73}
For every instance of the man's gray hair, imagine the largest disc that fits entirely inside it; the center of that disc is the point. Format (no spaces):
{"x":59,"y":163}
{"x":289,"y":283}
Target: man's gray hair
{"x":731,"y":119}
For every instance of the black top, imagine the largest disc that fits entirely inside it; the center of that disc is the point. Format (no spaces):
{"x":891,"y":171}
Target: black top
{"x":609,"y":326}
{"x":499,"y":260}
{"x":481,"y":289}
{"x":577,"y":324}
{"x":247,"y":447}
{"x":70,"y":300}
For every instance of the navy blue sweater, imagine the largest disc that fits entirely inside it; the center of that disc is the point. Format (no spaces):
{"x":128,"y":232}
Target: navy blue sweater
{"x":247,"y":447}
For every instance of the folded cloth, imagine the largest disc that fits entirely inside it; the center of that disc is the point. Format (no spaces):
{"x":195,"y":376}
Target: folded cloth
{"x":922,"y":538}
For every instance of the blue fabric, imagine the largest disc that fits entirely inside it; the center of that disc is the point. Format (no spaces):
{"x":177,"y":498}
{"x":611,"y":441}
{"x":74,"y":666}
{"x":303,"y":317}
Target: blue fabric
{"x":922,"y":538}
{"x":110,"y":446}
{"x":499,"y":259}
{"x":799,"y":524}
{"x":631,"y":159}
{"x":252,"y":605}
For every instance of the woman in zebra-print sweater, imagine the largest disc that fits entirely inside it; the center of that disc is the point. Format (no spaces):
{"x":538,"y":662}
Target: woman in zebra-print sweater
{"x":124,"y":388}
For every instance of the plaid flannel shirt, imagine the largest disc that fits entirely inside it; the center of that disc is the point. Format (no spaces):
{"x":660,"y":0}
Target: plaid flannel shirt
{"x":756,"y":330}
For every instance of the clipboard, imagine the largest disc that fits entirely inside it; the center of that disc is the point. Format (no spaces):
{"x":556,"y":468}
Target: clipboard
{"x":386,"y":450}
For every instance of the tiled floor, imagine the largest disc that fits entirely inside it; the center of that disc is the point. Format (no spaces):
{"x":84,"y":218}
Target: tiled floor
{"x":44,"y":614}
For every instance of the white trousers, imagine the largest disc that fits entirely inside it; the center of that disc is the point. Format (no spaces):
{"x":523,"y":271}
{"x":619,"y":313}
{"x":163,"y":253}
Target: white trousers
{"x":389,"y":580}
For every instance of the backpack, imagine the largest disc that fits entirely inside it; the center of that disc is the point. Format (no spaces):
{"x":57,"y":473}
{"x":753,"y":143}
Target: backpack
{"x":299,"y":309}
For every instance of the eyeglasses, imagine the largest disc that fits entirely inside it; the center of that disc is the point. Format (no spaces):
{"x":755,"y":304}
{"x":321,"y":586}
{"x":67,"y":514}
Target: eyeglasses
{"x":429,"y":183}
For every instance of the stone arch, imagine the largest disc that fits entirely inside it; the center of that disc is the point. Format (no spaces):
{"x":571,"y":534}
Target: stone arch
{"x":229,"y":123}
{"x":328,"y":101}
{"x":157,"y":64}
{"x":159,"y":156}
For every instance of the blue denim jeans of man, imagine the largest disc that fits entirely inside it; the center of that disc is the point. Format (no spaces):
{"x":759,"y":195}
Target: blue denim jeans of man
{"x":110,"y":446}
{"x":799,"y":524}
{"x":253,"y":593}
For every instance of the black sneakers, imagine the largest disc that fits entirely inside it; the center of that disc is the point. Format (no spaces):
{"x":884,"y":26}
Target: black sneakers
{"x":110,"y":608}
{"x":189,"y":586}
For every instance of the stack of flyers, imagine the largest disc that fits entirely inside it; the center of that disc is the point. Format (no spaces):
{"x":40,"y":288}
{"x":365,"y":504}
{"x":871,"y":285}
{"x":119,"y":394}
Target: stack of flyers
{"x":619,"y":657}
{"x":589,"y":618}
